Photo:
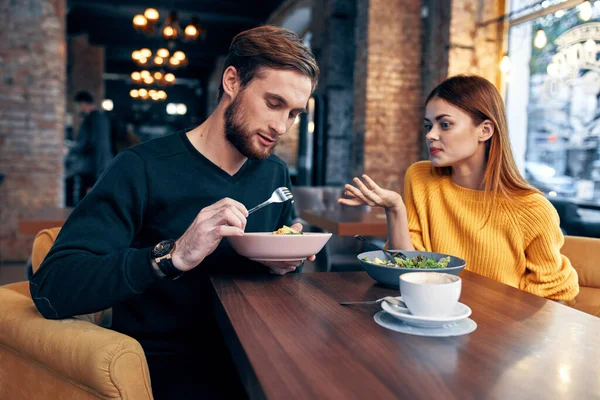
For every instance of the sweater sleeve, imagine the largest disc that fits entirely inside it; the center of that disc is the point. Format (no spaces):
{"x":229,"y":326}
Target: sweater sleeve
{"x":414,"y":222}
{"x":91,"y":266}
{"x":549,"y":273}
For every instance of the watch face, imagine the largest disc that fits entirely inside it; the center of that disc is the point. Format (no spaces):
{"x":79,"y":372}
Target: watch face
{"x":163,"y":248}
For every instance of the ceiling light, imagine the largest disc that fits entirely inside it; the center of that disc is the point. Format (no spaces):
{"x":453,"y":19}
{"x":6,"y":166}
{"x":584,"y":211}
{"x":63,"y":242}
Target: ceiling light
{"x":140,"y":21}
{"x":179,"y":55}
{"x":170,"y":77}
{"x":107,"y":105}
{"x":505,"y":64}
{"x":585,"y":11}
{"x":151,"y":14}
{"x":164,"y":53}
{"x":540,"y":39}
{"x":181,"y":109}
{"x":171,"y":108}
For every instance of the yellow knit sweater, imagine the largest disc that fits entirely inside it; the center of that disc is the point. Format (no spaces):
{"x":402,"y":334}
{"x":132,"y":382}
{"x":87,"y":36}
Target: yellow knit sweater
{"x":519,"y":246}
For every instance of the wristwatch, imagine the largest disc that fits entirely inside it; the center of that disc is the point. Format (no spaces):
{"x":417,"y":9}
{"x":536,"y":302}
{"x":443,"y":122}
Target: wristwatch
{"x":161,"y":257}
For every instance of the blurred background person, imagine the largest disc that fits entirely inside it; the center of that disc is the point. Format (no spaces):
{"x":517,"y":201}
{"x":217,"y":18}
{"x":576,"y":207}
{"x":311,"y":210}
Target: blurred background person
{"x":91,"y":152}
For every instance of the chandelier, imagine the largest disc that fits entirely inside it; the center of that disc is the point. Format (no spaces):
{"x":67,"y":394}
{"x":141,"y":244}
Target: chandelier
{"x":170,"y":29}
{"x":161,"y":58}
{"x":148,"y":94}
{"x":150,"y":78}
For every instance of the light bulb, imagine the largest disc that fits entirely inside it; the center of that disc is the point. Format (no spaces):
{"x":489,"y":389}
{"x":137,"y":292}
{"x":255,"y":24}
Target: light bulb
{"x":140,"y":21}
{"x":505,"y":64}
{"x":107,"y":105}
{"x":158,"y":60}
{"x":168,"y":31}
{"x":136,"y":76}
{"x":151,"y":14}
{"x":191,"y":31}
{"x":181,"y":109}
{"x":174,"y":61}
{"x":146,"y":53}
{"x":585,"y":11}
{"x":144,"y":74}
{"x":158,"y":76}
{"x":164,"y":53}
{"x":134,"y":93}
{"x":170,"y":77}
{"x":180,"y":55}
{"x":171,"y":108}
{"x":540,"y":39}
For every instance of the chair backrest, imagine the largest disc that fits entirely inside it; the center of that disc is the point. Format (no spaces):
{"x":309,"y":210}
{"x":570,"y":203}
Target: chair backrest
{"x":41,"y":246}
{"x":584,"y":253}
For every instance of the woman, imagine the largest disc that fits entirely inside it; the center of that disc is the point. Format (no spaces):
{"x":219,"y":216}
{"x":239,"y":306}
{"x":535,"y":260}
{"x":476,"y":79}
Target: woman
{"x":469,"y":200}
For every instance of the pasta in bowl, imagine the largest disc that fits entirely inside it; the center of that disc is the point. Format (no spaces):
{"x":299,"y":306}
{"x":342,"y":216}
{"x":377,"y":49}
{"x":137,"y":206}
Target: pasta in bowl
{"x":284,"y":244}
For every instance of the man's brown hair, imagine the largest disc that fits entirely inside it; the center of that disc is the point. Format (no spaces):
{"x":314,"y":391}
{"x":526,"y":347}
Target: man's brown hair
{"x":269,"y":47}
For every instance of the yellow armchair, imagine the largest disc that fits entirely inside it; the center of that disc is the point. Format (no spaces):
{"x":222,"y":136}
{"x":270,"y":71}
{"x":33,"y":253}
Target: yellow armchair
{"x":584,"y":254}
{"x":72,"y":358}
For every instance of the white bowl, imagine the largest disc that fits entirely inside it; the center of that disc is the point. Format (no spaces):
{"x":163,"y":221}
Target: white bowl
{"x":265,"y":246}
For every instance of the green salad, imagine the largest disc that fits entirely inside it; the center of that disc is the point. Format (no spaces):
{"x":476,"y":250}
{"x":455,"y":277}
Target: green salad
{"x":418,"y":262}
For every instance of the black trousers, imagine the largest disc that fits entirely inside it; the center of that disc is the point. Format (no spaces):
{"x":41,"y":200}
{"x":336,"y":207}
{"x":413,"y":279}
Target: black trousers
{"x":175,"y":377}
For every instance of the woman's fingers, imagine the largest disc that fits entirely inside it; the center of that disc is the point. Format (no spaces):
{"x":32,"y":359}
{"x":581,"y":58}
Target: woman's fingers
{"x":358,"y":193}
{"x":371,"y":183}
{"x":371,"y":197}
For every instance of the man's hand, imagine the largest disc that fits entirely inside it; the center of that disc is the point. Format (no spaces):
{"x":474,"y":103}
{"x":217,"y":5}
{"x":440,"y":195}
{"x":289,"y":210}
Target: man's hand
{"x":226,"y":217}
{"x":283,"y":267}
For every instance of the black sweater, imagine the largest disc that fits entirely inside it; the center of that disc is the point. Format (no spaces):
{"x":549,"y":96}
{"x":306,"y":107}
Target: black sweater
{"x":149,"y":193}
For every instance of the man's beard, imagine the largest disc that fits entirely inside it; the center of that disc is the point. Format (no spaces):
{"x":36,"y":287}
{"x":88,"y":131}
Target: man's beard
{"x":236,"y":132}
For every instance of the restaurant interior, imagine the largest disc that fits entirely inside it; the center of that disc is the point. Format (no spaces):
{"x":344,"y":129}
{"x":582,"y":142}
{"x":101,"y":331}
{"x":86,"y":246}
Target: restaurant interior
{"x":342,"y":325}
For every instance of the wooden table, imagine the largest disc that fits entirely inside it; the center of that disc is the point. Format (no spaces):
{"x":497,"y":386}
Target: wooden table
{"x":348,"y":222}
{"x":292,"y":340}
{"x":44,"y":218}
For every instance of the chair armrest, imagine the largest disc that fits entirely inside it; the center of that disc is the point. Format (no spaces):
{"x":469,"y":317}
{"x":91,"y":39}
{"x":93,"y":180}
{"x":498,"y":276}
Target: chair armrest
{"x":106,"y":362}
{"x":584,"y":253}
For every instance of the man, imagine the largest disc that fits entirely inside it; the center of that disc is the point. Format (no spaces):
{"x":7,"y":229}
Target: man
{"x":92,"y":151}
{"x":162,"y":208}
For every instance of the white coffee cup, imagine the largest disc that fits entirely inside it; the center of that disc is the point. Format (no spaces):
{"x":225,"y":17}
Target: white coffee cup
{"x":430,"y":294}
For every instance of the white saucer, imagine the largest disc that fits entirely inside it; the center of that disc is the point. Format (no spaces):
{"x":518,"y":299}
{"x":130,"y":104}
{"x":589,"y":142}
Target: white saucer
{"x":459,"y":313}
{"x":461,"y":327}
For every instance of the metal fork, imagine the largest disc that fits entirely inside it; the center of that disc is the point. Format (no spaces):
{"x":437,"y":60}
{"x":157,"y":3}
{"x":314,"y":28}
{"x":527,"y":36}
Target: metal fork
{"x":279,"y":196}
{"x":391,"y":255}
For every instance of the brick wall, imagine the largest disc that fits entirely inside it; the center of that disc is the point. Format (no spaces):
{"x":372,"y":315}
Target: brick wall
{"x":85,"y":71}
{"x":473,"y":49}
{"x":388,"y":89}
{"x":32,"y":108}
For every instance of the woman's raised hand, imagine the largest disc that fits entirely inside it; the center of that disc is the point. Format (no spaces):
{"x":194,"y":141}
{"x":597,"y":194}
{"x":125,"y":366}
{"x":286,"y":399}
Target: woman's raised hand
{"x":371,"y":194}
